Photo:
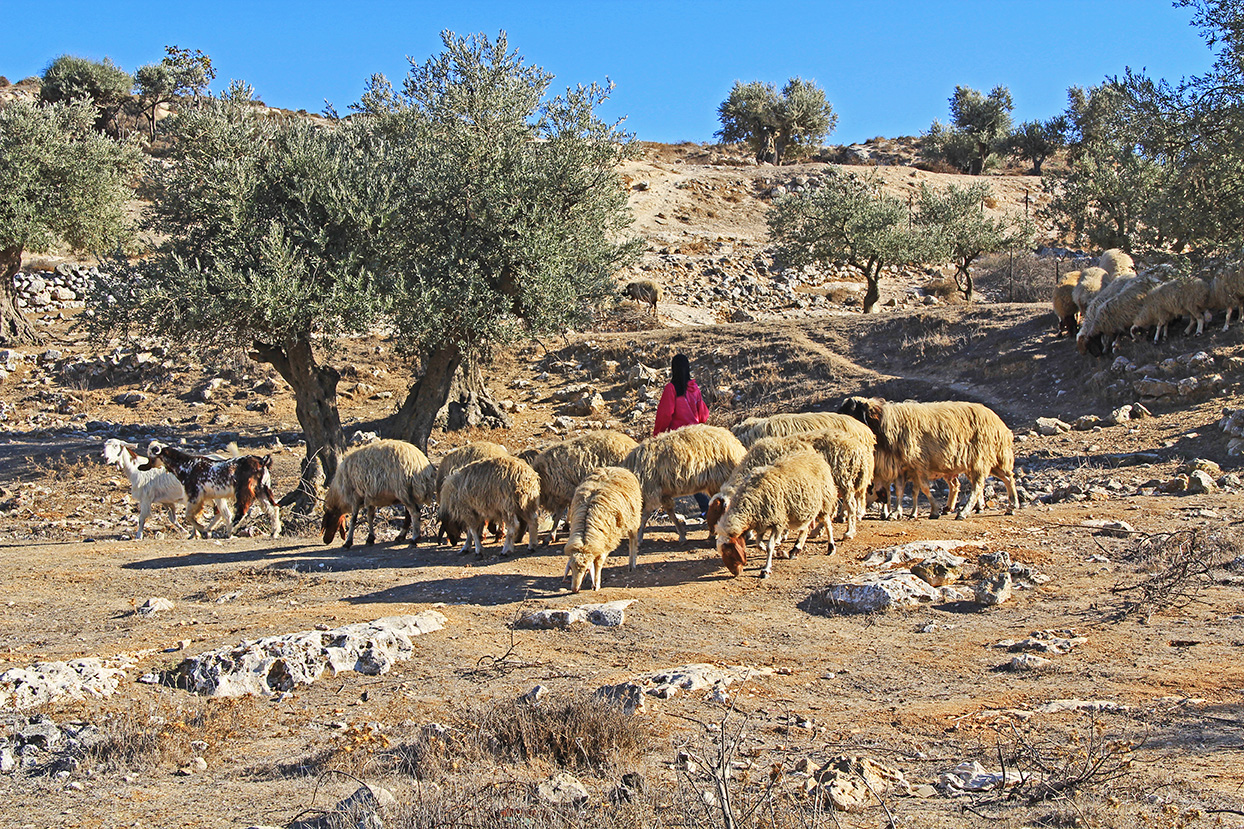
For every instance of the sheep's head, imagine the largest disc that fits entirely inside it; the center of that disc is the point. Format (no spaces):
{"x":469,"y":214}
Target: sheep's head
{"x":334,"y":518}
{"x":578,"y":566}
{"x":734,"y":554}
{"x":450,"y":529}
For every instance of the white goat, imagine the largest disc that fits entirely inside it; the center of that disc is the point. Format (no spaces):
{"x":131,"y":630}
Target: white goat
{"x":155,"y":487}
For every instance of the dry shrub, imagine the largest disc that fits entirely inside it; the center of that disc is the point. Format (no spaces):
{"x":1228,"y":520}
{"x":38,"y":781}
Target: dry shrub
{"x":1024,"y":277}
{"x":942,"y":287}
{"x":1055,"y":763}
{"x":1177,"y":566}
{"x":840,"y":294}
{"x":163,"y":734}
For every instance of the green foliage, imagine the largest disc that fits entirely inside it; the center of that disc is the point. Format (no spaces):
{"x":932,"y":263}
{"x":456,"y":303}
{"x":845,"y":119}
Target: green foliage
{"x":181,"y":72}
{"x":981,"y":126}
{"x":774,"y":123}
{"x":848,"y":220}
{"x":61,"y":182}
{"x":955,"y":221}
{"x":106,"y":85}
{"x":1035,"y":141}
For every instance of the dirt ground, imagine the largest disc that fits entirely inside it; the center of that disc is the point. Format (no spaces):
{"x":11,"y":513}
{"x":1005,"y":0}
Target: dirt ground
{"x":918,"y":690}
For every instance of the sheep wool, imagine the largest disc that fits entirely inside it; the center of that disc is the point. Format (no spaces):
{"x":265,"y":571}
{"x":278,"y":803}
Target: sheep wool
{"x":1185,"y":296}
{"x":1112,"y":312}
{"x":644,"y":290}
{"x":1088,"y":285}
{"x":563,"y":466}
{"x":606,"y":506}
{"x":463,"y":455}
{"x":1227,"y":290}
{"x":503,"y":490}
{"x":378,"y":474}
{"x":782,"y":425}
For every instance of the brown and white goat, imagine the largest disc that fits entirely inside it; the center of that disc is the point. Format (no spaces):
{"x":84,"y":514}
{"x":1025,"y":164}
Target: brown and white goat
{"x":246,"y":479}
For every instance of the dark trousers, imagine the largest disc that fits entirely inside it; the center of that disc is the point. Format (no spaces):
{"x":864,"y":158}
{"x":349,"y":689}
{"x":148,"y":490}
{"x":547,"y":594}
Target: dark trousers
{"x":702,"y":500}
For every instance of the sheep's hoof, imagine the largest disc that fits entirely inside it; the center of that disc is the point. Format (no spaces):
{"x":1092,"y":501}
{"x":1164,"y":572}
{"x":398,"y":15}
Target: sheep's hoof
{"x":832,"y":548}
{"x":346,"y":546}
{"x":764,"y":574}
{"x":371,"y":540}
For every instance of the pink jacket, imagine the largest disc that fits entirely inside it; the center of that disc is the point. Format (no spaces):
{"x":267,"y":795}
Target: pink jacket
{"x":675,"y":412}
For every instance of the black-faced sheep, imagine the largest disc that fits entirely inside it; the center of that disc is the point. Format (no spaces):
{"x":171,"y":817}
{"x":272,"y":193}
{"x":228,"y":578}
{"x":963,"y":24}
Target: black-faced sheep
{"x":607,"y":505}
{"x":563,"y":466}
{"x":378,"y":474}
{"x":644,"y":290}
{"x":682,"y":462}
{"x":796,"y":492}
{"x":505,"y":490}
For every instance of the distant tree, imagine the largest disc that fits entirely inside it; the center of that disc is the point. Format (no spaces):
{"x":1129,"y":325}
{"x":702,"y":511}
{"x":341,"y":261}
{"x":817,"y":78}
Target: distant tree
{"x":948,"y":145}
{"x":106,"y":85}
{"x":1035,"y":141}
{"x":982,"y":120}
{"x":181,"y":72}
{"x":61,"y":183}
{"x":771,"y":122}
{"x":955,"y":223}
{"x":848,"y":220}
{"x":512,"y":217}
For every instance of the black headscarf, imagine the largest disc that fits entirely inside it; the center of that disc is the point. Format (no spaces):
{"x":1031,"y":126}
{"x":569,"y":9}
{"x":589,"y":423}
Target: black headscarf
{"x":680,"y":374}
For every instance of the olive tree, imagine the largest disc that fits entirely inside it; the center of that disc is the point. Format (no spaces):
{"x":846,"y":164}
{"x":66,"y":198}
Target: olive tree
{"x":61,"y":184}
{"x":980,"y":125}
{"x":772,"y":123}
{"x":274,"y":236}
{"x":181,"y":72}
{"x":511,"y":220}
{"x":103,"y":83}
{"x":848,"y":220}
{"x":956,"y":224}
{"x":1035,"y":141}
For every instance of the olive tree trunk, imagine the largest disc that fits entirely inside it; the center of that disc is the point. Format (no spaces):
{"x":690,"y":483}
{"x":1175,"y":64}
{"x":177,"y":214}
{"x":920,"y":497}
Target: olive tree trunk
{"x":450,"y":395}
{"x":315,"y":403}
{"x":15,"y":329}
{"x":872,"y":295}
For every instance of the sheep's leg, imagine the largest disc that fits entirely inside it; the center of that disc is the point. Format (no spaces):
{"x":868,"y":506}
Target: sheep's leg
{"x":952,"y":492}
{"x":466,"y":544}
{"x":406,"y":522}
{"x":634,"y":544}
{"x":803,"y":538}
{"x":558,"y":517}
{"x":771,"y":545}
{"x":832,"y":547}
{"x":922,"y":487}
{"x":511,"y":531}
{"x":354,"y":522}
{"x":475,"y":532}
{"x":667,"y":504}
{"x":371,"y":525}
{"x":1226,"y":323}
{"x":977,"y":494}
{"x":223,"y":518}
{"x":1012,"y":495}
{"x":853,"y":511}
{"x":533,"y":530}
{"x":643,"y":522}
{"x":598,"y":572}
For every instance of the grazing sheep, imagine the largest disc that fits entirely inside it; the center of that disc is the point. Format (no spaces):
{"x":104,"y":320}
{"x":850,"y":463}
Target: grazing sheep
{"x":1112,"y":312}
{"x":850,"y":460}
{"x":1116,"y":263}
{"x":1184,"y":296}
{"x":1065,"y":304}
{"x":607,"y":505}
{"x":154,"y":487}
{"x":378,"y":474}
{"x":644,"y":290}
{"x":755,"y":428}
{"x":681,"y":462}
{"x":1089,"y":283}
{"x":943,"y":440}
{"x":563,"y":466}
{"x":504,"y":489}
{"x":1227,"y":290}
{"x":795,"y":493}
{"x":463,"y":455}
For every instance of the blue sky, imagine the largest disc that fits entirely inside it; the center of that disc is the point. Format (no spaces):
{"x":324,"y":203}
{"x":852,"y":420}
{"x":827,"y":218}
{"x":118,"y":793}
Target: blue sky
{"x":887,"y":66}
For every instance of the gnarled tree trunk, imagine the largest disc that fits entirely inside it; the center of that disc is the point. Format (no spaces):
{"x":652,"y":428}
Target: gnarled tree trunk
{"x":15,"y":329}
{"x":872,"y":295}
{"x":450,"y":395}
{"x":315,"y":403}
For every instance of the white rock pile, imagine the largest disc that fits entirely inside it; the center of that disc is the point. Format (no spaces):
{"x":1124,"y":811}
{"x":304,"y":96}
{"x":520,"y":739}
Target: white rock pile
{"x":64,"y":287}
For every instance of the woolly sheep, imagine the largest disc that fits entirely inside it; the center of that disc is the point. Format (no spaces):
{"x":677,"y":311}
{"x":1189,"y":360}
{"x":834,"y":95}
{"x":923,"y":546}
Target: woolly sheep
{"x":934,"y":440}
{"x":1088,"y":285}
{"x":755,"y":428}
{"x":1116,"y":263}
{"x":153,"y":487}
{"x":1227,"y":290}
{"x":1185,"y":296}
{"x":505,"y":490}
{"x":375,"y":475}
{"x":1065,"y":304}
{"x":463,"y":455}
{"x":607,"y":505}
{"x":563,"y":466}
{"x":681,"y":462}
{"x":644,"y":290}
{"x":1112,"y":312}
{"x":795,"y":493}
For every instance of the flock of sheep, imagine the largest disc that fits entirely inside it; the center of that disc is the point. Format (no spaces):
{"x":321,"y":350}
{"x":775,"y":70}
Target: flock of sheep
{"x":1101,"y":303}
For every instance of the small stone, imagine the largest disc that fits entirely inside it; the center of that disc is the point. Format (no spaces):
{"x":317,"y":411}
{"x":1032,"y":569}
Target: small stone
{"x":1028,"y":662}
{"x":994,"y":590}
{"x":154,"y":605}
{"x":1200,"y":483}
{"x":562,"y":789}
{"x":1115,"y":529}
{"x":1050,"y":426}
{"x":534,"y":695}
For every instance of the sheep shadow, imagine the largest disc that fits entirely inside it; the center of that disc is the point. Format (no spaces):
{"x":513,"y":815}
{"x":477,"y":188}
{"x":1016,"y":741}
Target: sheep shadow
{"x":483,"y":589}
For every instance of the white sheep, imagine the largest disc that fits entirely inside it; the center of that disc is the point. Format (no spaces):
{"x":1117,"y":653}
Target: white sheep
{"x":1088,"y":285}
{"x":460,"y":457}
{"x":1116,"y":263}
{"x":150,"y":488}
{"x":781,"y":425}
{"x":1227,"y":290}
{"x":1112,"y":312}
{"x":505,"y":490}
{"x":682,"y":462}
{"x":375,"y":475}
{"x":606,"y":505}
{"x":943,"y":440}
{"x":796,"y":492}
{"x":563,"y":466}
{"x":1184,"y":296}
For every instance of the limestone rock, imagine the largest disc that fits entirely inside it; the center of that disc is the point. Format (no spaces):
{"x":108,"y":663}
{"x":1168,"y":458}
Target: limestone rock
{"x":875,"y":592}
{"x":43,"y":682}
{"x":562,"y":789}
{"x":994,"y":590}
{"x":972,"y":777}
{"x":154,"y":605}
{"x":629,"y":696}
{"x":1200,"y":483}
{"x":1051,"y":426}
{"x":609,"y":614}
{"x":1115,"y":529}
{"x":1029,"y":662}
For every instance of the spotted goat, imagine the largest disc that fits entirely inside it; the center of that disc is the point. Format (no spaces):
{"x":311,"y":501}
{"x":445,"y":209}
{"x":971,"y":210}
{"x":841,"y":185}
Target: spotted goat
{"x":246,"y":478}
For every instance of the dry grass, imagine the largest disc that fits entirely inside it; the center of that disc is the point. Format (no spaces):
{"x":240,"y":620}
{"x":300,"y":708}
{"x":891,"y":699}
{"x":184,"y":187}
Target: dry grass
{"x":163,"y":734}
{"x":1022,"y":277}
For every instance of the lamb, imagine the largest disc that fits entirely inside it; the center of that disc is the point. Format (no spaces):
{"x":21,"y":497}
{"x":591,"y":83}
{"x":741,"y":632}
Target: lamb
{"x":1185,"y":296}
{"x":154,"y":487}
{"x":1112,"y":313}
{"x":755,"y":428}
{"x":681,"y":462}
{"x":795,"y":493}
{"x":247,"y":479}
{"x":934,"y":440}
{"x":504,"y":489}
{"x":1227,"y":290}
{"x":378,"y":474}
{"x":563,"y":466}
{"x":607,"y":505}
{"x":644,"y":290}
{"x":850,"y":459}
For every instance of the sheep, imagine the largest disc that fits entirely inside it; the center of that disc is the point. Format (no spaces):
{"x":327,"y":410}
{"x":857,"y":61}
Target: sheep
{"x":850,"y":459}
{"x":1185,"y":296}
{"x":459,"y":458}
{"x":563,"y":466}
{"x":796,"y":492}
{"x":154,"y":487}
{"x":1065,"y":304}
{"x":1088,"y":285}
{"x":503,"y":489}
{"x":933,"y":440}
{"x":378,"y":474}
{"x":755,"y":428}
{"x":1116,"y":263}
{"x":1112,"y":312}
{"x":607,"y":505}
{"x":644,"y":290}
{"x":682,"y":462}
{"x":1227,"y":290}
